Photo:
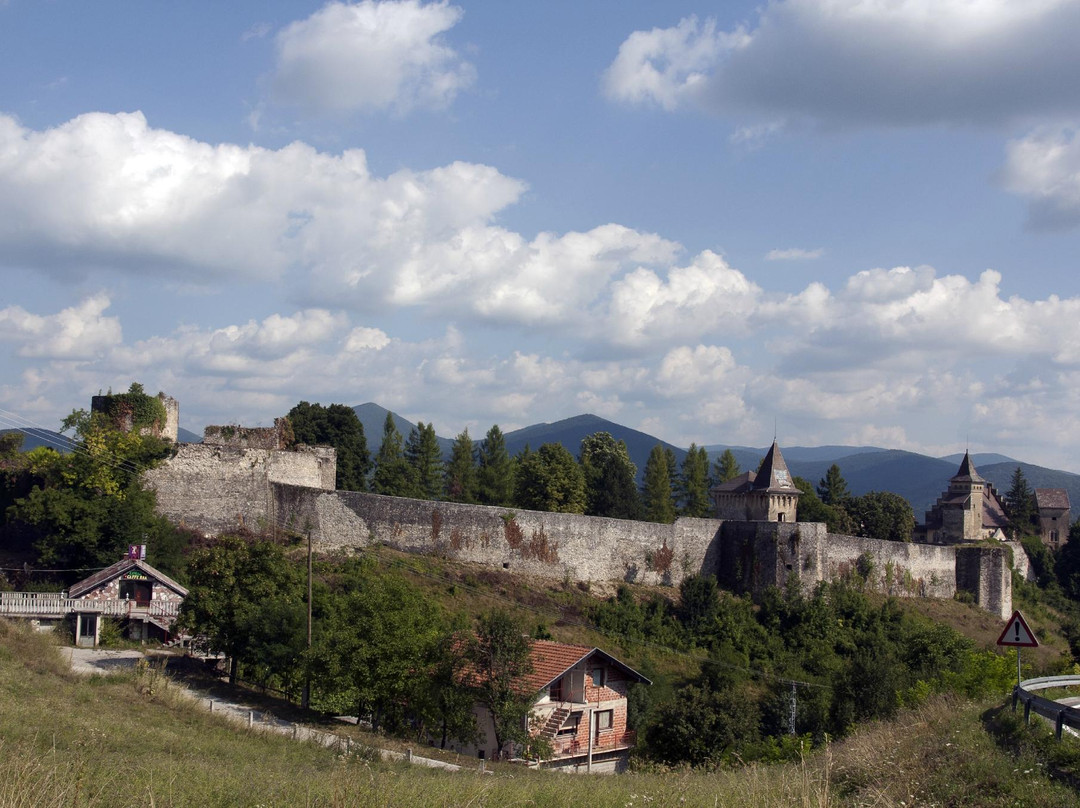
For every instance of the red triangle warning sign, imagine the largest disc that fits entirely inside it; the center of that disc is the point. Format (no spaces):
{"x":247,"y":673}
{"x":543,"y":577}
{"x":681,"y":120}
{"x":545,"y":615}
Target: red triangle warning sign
{"x":1017,"y":633}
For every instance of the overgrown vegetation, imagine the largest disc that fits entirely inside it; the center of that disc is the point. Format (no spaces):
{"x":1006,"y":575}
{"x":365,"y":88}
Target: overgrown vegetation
{"x":119,"y":741}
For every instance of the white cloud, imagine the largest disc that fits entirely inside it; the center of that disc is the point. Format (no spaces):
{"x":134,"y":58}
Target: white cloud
{"x":794,"y":254}
{"x":893,"y":62}
{"x":1044,"y":167}
{"x":79,"y":332}
{"x":707,"y":296}
{"x":371,"y":56}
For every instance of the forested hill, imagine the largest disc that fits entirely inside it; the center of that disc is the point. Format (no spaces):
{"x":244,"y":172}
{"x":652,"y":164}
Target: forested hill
{"x":918,"y":478}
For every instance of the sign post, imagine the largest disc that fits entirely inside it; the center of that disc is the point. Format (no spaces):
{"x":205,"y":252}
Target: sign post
{"x":1017,"y":635}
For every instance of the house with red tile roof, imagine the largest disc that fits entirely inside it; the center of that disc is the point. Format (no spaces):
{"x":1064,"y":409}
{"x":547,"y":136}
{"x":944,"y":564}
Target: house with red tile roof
{"x":580,"y":708}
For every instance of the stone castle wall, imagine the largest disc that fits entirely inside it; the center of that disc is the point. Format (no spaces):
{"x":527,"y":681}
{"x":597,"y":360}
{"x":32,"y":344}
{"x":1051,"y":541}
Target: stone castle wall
{"x":745,"y":556}
{"x":218,"y":488}
{"x":550,"y":545}
{"x":215,"y":489}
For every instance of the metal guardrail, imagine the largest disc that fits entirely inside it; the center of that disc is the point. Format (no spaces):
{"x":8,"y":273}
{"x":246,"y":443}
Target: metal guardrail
{"x":1061,"y":714}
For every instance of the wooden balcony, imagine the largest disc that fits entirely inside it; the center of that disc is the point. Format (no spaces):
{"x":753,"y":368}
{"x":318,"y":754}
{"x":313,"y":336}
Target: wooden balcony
{"x":56,"y":605}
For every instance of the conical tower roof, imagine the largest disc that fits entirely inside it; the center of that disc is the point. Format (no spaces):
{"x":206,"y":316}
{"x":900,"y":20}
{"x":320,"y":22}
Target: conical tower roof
{"x":967,"y":472}
{"x":774,"y":474}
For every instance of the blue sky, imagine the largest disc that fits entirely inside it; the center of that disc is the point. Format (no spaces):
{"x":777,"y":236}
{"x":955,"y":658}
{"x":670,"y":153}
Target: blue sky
{"x":854,"y":219}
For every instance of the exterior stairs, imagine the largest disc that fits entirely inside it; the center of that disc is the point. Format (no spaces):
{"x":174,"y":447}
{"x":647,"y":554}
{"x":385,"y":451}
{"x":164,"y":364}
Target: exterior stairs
{"x":555,"y":720}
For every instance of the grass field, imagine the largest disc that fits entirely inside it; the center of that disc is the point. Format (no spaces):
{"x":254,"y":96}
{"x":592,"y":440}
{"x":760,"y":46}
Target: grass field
{"x":135,"y":740}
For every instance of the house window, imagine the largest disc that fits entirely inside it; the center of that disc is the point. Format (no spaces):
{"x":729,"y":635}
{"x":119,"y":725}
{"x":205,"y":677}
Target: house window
{"x":570,"y":725}
{"x":599,"y":677}
{"x":604,"y":720}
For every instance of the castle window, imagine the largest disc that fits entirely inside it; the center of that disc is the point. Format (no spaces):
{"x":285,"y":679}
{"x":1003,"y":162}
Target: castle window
{"x":1054,"y":536}
{"x":780,"y":517}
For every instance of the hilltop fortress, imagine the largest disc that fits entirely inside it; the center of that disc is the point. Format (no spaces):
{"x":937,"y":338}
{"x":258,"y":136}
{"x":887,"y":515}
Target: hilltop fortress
{"x":248,"y":477}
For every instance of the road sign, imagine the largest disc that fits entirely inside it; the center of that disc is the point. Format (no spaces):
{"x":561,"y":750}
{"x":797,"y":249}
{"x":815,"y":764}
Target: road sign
{"x":1017,"y":633}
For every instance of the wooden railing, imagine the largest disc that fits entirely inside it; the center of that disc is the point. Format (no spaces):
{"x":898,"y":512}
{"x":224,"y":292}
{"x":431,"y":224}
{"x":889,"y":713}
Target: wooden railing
{"x":55,"y":604}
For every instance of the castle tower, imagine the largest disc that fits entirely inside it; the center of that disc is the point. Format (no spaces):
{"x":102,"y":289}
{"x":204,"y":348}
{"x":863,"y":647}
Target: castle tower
{"x":768,"y":495}
{"x":969,"y":510}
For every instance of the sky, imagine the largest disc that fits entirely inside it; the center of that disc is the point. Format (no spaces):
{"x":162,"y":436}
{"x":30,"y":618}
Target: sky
{"x":832,"y":221}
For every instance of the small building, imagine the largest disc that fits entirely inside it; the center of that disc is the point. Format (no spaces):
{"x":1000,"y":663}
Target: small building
{"x":1054,"y":510}
{"x":768,"y":495}
{"x":146,"y":601}
{"x":969,"y":510}
{"x":580,"y":708}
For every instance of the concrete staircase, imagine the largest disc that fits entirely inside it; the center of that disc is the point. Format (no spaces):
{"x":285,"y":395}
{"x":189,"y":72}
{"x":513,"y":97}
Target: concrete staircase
{"x":555,"y":720}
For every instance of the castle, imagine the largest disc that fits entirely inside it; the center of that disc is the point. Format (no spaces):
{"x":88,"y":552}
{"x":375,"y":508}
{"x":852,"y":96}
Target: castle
{"x":245,"y":477}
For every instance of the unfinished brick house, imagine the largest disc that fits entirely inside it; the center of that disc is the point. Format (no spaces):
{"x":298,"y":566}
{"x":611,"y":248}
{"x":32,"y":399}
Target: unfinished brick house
{"x":580,"y":708}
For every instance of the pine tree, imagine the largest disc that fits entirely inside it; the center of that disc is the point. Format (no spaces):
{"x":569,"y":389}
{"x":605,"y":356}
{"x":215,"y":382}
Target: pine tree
{"x":495,"y":477}
{"x":656,"y":488}
{"x":832,"y":489}
{"x":726,"y":467}
{"x":461,"y":470}
{"x":425,"y":457}
{"x":693,"y":488}
{"x":393,"y":475}
{"x":1020,"y":504}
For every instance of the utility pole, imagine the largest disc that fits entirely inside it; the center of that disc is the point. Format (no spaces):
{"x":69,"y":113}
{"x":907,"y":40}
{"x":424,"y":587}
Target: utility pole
{"x":305,"y":699}
{"x":791,"y":711}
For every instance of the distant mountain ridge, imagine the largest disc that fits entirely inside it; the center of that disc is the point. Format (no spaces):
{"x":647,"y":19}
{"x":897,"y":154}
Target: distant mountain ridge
{"x":920,"y":479}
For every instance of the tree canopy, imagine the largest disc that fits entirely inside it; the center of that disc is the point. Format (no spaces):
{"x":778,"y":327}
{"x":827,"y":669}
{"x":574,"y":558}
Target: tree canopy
{"x":549,"y":479}
{"x":833,"y":489}
{"x":656,"y":488}
{"x":610,"y":477}
{"x":694,"y":483}
{"x":495,"y":479}
{"x":338,"y":426}
{"x":425,"y":458}
{"x":393,"y":475}
{"x":461,"y":473}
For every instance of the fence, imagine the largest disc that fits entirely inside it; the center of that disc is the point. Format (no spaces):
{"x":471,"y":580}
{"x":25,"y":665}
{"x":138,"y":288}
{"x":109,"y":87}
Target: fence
{"x":1061,"y":714}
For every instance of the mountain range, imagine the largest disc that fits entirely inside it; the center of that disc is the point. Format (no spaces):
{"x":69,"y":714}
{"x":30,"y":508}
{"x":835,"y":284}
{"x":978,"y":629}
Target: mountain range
{"x":920,"y":479}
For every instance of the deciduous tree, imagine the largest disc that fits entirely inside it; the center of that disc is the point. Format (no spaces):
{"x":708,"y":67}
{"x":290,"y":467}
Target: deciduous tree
{"x":549,"y":479}
{"x":883,"y":515}
{"x":338,"y":426}
{"x":610,"y":487}
{"x":499,"y":656}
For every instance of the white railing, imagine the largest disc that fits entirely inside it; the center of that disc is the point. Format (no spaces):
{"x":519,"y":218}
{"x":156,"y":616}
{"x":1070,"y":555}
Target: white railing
{"x":56,"y":604}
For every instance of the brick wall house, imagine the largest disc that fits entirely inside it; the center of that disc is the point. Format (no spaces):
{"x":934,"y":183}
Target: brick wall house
{"x":580,"y":708}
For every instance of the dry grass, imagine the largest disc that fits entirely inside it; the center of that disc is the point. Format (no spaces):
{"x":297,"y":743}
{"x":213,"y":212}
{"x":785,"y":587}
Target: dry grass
{"x":134,"y":739}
